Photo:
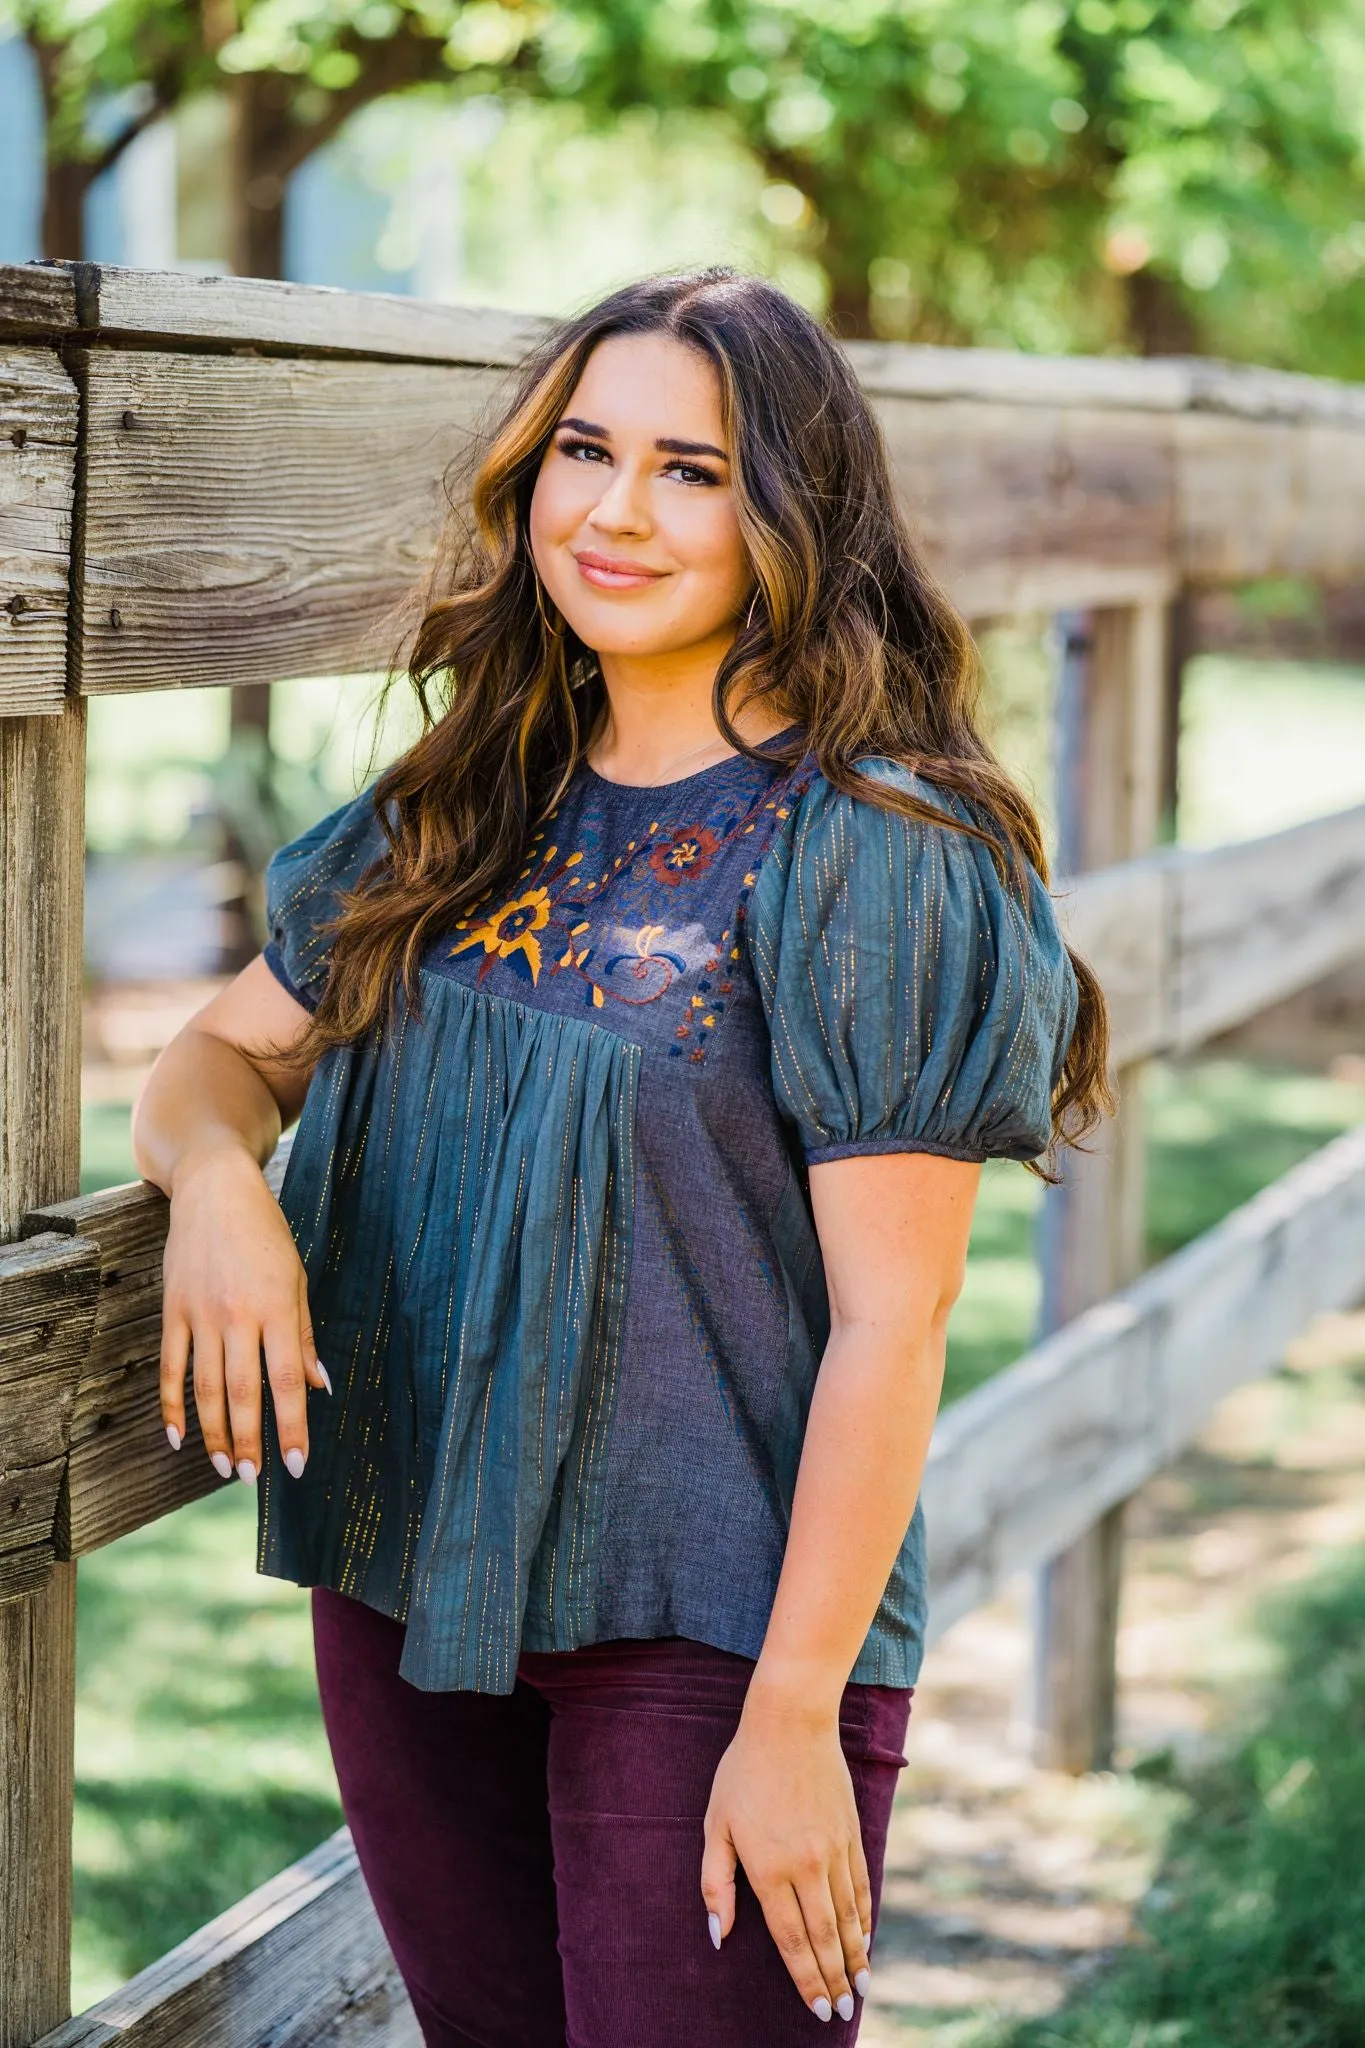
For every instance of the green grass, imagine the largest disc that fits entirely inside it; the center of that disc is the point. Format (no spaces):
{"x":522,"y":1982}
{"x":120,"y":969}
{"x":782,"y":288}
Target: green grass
{"x":201,"y":1764}
{"x":1254,"y":1934}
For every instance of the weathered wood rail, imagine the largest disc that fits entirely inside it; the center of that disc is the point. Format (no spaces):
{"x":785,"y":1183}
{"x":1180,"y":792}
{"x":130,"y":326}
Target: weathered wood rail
{"x":208,"y":480}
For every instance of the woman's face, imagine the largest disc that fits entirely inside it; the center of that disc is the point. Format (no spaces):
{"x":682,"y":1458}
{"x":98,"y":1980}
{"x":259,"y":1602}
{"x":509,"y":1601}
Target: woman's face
{"x":633,"y":526}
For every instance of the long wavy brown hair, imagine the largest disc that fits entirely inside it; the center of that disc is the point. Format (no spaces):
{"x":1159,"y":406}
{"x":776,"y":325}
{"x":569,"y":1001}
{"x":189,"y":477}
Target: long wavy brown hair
{"x":847,"y":636}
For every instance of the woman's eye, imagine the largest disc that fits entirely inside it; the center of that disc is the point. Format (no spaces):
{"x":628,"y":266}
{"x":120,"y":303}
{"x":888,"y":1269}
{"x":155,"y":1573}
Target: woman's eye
{"x":567,"y":447}
{"x":691,"y":473}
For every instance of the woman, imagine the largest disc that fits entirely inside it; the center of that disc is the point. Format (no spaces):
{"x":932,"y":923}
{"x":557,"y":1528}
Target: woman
{"x":649,"y":1020}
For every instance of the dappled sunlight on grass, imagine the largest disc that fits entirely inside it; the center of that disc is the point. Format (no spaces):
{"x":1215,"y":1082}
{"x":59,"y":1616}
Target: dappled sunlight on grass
{"x":201,"y":1764}
{"x":1255,"y":1929}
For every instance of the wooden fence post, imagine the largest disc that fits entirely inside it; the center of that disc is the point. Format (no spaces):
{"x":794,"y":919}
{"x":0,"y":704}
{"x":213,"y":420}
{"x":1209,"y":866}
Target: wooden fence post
{"x":1110,"y":787}
{"x":42,"y":844}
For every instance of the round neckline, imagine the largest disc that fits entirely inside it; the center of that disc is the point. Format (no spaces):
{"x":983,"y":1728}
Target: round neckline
{"x":680,"y":781}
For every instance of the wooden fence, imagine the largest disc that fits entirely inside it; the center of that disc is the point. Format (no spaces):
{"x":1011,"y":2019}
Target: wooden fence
{"x":213,"y":481}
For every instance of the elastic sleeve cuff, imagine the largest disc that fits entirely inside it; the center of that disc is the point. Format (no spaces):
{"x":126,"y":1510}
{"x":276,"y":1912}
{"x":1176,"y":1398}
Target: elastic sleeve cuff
{"x":970,"y":1155}
{"x":274,"y":960}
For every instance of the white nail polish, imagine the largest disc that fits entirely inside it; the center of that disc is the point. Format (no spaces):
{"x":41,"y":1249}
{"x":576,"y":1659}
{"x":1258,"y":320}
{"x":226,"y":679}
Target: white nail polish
{"x":222,"y":1464}
{"x":246,"y":1471}
{"x":867,"y":1937}
{"x":822,"y":2009}
{"x":862,"y":1983}
{"x":844,"y":2005}
{"x":326,"y":1376}
{"x":295,"y":1461}
{"x":713,"y":1928}
{"x":173,"y":1436}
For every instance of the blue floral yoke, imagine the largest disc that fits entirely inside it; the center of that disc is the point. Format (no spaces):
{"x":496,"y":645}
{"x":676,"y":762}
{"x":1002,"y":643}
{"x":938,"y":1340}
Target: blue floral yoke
{"x":555,"y":1218}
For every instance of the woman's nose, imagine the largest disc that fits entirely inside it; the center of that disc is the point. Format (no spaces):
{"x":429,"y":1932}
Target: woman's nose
{"x":623,"y":506}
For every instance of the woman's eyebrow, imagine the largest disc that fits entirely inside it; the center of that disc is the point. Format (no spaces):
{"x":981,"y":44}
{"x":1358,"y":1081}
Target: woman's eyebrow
{"x":664,"y":447}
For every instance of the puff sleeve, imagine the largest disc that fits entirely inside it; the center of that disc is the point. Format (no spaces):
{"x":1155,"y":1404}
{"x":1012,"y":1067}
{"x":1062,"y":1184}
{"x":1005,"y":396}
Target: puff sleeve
{"x":915,"y":1002}
{"x":302,"y":881}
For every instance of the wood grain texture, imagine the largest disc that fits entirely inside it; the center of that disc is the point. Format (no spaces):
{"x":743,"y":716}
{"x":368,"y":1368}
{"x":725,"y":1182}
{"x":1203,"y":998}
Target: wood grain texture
{"x":249,"y":518}
{"x":299,"y":1963}
{"x":37,"y":1775}
{"x":1269,"y":497}
{"x":37,"y":298}
{"x":42,"y":846}
{"x":1004,"y":497}
{"x":39,"y":409}
{"x":1189,"y":942}
{"x":48,"y":1287}
{"x":122,"y":1473}
{"x":1024,"y":1465}
{"x":304,"y":319}
{"x":1092,"y":1238}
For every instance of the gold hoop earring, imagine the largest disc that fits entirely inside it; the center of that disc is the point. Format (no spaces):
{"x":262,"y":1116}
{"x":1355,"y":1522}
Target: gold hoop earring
{"x":749,"y":615}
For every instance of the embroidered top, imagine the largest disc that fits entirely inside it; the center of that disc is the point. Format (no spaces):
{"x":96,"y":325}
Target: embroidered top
{"x":555,"y":1219}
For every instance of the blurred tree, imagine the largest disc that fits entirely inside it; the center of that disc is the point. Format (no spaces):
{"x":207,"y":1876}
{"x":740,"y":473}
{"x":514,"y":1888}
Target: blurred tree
{"x":296,"y":70}
{"x":1054,"y":174}
{"x":1153,"y":175}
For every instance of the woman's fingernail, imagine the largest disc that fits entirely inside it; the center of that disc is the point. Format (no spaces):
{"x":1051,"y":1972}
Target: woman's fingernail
{"x":222,"y":1464}
{"x":294,"y":1460}
{"x":862,"y":1983}
{"x":844,"y":2005}
{"x":246,"y":1471}
{"x":713,"y":1928}
{"x":822,"y":2009}
{"x":326,"y":1376}
{"x":173,"y":1436}
{"x":867,"y":1937}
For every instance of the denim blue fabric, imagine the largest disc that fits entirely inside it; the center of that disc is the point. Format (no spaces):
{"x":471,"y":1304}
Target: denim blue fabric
{"x":555,"y":1219}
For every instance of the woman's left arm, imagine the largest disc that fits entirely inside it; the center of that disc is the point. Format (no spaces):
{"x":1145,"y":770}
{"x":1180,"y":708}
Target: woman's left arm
{"x":893,"y":1231}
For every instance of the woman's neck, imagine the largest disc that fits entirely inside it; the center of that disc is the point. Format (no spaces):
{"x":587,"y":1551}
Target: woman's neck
{"x":658,"y":726}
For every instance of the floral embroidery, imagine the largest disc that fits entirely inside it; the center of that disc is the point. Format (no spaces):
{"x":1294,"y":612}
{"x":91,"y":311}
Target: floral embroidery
{"x":687,"y":854}
{"x":510,"y":934}
{"x":609,"y":928}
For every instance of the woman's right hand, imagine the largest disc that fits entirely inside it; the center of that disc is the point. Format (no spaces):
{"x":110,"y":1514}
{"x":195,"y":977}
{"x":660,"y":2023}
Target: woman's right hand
{"x":233,"y":1285}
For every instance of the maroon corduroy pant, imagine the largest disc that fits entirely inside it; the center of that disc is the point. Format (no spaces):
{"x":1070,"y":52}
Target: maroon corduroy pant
{"x":535,"y":1858}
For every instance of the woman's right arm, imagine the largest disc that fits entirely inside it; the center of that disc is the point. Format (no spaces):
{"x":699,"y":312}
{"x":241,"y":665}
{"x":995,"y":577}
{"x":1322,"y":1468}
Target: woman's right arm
{"x":208,"y":1118}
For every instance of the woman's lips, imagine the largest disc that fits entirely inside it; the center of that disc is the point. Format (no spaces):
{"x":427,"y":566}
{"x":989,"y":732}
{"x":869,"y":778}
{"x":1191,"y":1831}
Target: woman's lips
{"x":607,"y":574}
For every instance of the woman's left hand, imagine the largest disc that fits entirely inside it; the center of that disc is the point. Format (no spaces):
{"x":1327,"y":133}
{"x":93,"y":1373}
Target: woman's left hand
{"x":782,"y":1805}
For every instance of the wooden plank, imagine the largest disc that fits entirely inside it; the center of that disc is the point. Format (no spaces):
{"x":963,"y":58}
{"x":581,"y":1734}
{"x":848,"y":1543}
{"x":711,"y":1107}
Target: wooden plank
{"x":1269,"y":498}
{"x":42,"y":820}
{"x":172,"y":306}
{"x":1092,"y":1237}
{"x":1024,"y":1465}
{"x":1009,"y":499}
{"x":299,"y":1962}
{"x":1189,"y":942}
{"x":248,"y":518}
{"x":42,"y":832}
{"x":38,"y":416}
{"x":37,"y":1774}
{"x":1257,"y":921}
{"x":37,"y":298}
{"x":48,"y":1287}
{"x":122,"y":1473}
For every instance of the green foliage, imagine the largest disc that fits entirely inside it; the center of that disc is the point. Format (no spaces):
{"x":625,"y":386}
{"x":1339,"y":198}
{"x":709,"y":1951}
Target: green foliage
{"x":1255,"y":1931}
{"x":1056,"y":174}
{"x":1100,"y":174}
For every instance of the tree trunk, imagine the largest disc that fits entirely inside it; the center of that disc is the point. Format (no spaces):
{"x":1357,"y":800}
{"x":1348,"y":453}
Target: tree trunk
{"x":1158,"y":320}
{"x":260,"y":117}
{"x":64,"y":211}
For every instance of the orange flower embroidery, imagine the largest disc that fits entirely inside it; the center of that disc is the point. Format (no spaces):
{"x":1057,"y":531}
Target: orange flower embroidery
{"x":686,"y":854}
{"x":510,"y":934}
